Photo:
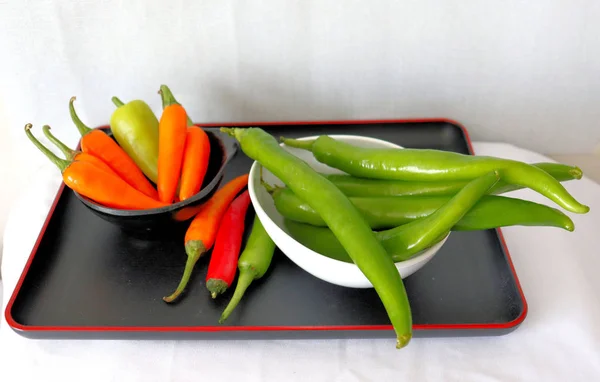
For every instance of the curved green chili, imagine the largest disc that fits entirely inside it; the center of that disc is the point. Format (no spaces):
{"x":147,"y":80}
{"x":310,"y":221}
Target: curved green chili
{"x":252,"y":264}
{"x":353,"y":186}
{"x":433,"y":165}
{"x":342,"y":218}
{"x":406,"y":240}
{"x":385,"y":212}
{"x":319,"y":239}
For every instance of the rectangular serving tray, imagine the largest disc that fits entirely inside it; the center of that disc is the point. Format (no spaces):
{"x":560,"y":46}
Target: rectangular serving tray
{"x":86,"y":278}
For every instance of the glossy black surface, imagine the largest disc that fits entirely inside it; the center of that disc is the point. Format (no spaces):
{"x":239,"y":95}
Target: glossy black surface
{"x":89,"y":273}
{"x":223,"y":150}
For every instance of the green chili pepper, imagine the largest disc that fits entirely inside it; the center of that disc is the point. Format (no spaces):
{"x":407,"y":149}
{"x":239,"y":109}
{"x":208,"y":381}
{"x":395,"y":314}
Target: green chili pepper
{"x":383,"y":212}
{"x":404,"y":241}
{"x":252,"y":264}
{"x":135,"y":127}
{"x":353,"y":186}
{"x":342,"y":218}
{"x":433,"y":165}
{"x":319,"y":239}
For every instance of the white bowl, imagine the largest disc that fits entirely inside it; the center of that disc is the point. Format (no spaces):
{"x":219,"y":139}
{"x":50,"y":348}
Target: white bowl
{"x":327,"y":269}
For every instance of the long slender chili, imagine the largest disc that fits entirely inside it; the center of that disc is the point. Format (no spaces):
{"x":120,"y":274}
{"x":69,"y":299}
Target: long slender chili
{"x":172,"y":132}
{"x":196,"y":155}
{"x":384,"y":212}
{"x":96,"y":183}
{"x":99,"y":144}
{"x":201,"y":233}
{"x":252,"y":265}
{"x":410,"y":238}
{"x":353,"y":186}
{"x":430,"y":165}
{"x":341,"y":217}
{"x":224,"y":257}
{"x":404,"y":241}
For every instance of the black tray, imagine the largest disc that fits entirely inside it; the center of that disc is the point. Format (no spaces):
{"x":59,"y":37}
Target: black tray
{"x":86,"y":278}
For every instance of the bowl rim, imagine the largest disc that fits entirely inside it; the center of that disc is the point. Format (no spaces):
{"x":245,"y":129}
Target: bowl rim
{"x":255,"y":169}
{"x":230,"y":149}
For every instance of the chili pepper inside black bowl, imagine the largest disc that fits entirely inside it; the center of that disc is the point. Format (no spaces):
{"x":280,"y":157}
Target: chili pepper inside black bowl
{"x":222,"y":149}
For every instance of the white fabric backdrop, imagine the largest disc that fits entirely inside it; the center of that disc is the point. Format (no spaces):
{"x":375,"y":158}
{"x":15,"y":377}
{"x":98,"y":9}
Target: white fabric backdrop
{"x":558,"y":341}
{"x":523,"y":72}
{"x":512,"y":71}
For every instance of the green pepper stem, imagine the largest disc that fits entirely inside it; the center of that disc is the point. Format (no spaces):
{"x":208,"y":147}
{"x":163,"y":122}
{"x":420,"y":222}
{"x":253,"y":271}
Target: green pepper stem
{"x":299,"y":144}
{"x":168,"y":98}
{"x":244,"y":280}
{"x":194,"y":250}
{"x":60,"y":163}
{"x":67,"y":151}
{"x":83,"y":129}
{"x":117,"y":102}
{"x":228,"y":130}
{"x":270,"y":188}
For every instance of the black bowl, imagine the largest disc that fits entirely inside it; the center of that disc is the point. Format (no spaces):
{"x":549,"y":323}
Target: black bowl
{"x":222,"y":149}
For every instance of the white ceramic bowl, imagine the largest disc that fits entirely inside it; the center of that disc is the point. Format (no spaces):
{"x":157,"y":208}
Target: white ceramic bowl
{"x":328,"y":269}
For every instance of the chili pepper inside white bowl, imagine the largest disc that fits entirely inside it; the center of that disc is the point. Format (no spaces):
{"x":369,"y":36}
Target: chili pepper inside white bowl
{"x":325,"y":268}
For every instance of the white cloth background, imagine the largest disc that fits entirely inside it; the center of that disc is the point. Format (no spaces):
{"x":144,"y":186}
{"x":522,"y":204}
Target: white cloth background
{"x":558,"y":341}
{"x":520,"y":72}
{"x":511,"y":71}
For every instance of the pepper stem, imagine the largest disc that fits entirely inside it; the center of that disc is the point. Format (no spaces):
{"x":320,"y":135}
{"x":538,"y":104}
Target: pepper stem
{"x":228,"y":130}
{"x":83,"y":129}
{"x":216,"y":287}
{"x":67,"y":151}
{"x":60,"y":163}
{"x":194,"y":250}
{"x":299,"y":144}
{"x":117,"y":101}
{"x":168,"y":98}
{"x":244,"y":280}
{"x":270,"y":188}
{"x":236,"y":132}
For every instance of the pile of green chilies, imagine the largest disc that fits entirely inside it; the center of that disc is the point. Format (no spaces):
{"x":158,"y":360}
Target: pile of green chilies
{"x":414,"y":196}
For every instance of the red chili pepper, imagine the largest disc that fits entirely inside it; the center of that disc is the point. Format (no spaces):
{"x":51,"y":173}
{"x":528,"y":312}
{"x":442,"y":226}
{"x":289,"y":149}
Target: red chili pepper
{"x":223,"y":261}
{"x":201,"y":234}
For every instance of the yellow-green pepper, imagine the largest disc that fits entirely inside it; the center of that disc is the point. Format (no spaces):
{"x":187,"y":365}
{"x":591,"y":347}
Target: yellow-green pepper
{"x":135,"y":127}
